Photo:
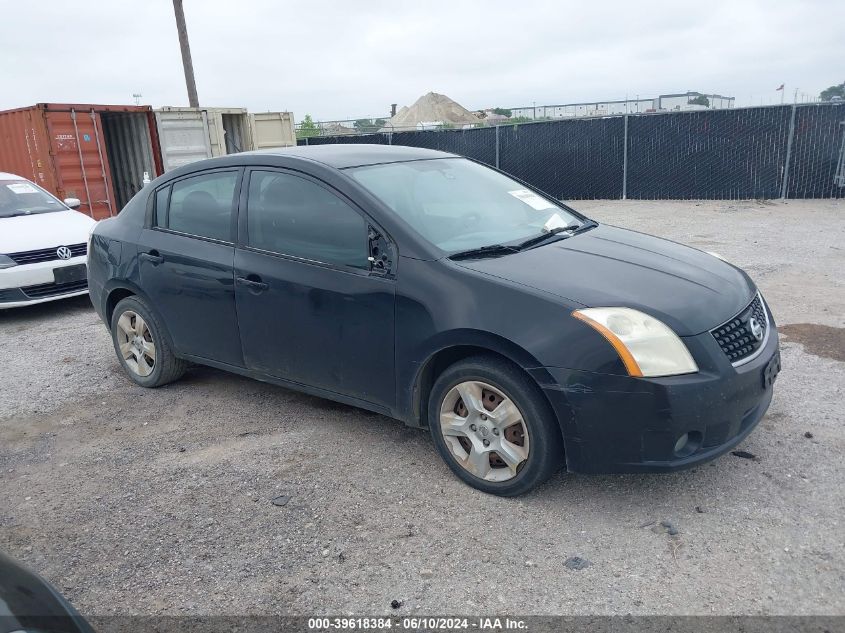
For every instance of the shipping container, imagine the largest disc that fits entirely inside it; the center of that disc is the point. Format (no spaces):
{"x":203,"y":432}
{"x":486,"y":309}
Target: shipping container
{"x":191,"y":134}
{"x":97,"y":153}
{"x":272,"y":129}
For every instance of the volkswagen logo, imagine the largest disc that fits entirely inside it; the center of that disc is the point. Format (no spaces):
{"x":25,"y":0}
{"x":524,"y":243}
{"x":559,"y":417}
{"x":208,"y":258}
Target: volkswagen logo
{"x":64,"y":252}
{"x":756,"y":328}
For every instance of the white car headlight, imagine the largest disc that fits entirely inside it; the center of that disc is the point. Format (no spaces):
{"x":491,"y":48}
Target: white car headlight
{"x":647,"y":346}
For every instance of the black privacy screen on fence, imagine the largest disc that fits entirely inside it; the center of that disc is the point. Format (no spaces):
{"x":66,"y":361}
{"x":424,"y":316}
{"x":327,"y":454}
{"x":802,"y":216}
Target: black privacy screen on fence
{"x":708,"y":154}
{"x":816,"y":146}
{"x":478,"y":144}
{"x":574,"y":159}
{"x":739,"y":153}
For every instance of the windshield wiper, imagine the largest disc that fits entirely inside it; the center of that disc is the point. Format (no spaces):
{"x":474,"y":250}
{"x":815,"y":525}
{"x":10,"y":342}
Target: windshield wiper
{"x":493,"y":250}
{"x":546,"y":236}
{"x":549,"y":235}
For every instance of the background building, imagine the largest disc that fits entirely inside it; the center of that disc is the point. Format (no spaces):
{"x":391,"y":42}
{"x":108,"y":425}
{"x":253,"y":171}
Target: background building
{"x":680,"y":101}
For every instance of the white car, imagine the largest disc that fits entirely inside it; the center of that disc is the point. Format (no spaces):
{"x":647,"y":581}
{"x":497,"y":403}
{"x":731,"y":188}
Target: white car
{"x":43,"y":244}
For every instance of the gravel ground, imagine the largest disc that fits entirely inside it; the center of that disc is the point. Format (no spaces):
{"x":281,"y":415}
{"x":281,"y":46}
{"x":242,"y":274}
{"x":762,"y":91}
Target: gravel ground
{"x":138,"y":501}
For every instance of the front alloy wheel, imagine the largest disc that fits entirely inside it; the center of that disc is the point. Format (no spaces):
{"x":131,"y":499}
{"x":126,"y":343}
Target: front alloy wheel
{"x":493,"y":426}
{"x":484,"y":431}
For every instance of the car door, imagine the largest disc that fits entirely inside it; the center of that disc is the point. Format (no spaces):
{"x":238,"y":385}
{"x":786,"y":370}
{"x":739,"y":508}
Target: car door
{"x":311,"y":307}
{"x":186,"y":259}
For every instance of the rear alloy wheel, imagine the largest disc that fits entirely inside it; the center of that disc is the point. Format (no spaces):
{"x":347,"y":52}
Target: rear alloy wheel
{"x":493,"y":426}
{"x":136,"y":343}
{"x":142,"y":345}
{"x":484,"y":430}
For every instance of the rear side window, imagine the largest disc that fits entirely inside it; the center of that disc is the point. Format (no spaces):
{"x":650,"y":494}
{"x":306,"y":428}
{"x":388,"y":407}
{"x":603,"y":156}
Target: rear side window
{"x":160,"y":218}
{"x":293,"y":216}
{"x":202,"y":205}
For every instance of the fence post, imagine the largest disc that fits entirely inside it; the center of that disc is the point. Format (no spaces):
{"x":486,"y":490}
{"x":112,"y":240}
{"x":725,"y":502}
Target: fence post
{"x":306,"y":140}
{"x":497,"y":146}
{"x":788,"y":154}
{"x":625,"y":161}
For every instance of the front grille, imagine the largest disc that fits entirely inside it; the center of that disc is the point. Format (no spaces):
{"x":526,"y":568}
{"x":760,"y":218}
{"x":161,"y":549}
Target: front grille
{"x":51,"y":290}
{"x":46,"y":254}
{"x":736,"y":337}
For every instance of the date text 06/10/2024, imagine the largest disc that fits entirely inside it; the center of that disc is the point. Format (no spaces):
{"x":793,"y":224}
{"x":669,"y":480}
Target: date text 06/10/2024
{"x":416,"y":624}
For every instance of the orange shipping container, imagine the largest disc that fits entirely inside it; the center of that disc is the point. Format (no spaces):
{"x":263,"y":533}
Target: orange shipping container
{"x":97,"y":153}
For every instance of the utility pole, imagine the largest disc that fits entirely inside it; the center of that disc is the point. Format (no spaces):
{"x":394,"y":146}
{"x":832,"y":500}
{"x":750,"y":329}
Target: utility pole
{"x":187,"y":64}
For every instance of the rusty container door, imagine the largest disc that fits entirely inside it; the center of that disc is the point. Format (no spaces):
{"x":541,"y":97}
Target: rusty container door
{"x":79,"y":154}
{"x":25,"y":147}
{"x":97,"y":153}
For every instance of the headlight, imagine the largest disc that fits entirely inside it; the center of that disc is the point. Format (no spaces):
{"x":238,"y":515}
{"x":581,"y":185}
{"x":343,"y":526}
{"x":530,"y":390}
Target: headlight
{"x":646,"y":346}
{"x":7,"y":262}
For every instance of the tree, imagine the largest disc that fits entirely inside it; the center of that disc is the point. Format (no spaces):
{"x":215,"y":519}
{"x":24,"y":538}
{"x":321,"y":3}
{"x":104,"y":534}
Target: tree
{"x":307,"y":128}
{"x":364,"y":125}
{"x":700,"y":100}
{"x":834,"y":91}
{"x":502,"y":111}
{"x":368,"y":126}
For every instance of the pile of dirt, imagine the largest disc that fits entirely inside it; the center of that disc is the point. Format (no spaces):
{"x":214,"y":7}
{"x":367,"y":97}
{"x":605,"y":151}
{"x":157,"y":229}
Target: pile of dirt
{"x":431,"y":108}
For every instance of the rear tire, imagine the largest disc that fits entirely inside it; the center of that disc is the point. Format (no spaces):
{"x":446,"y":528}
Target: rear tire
{"x":142,"y":345}
{"x":493,"y":426}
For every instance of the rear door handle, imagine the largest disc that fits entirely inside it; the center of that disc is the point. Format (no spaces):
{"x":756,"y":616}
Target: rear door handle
{"x":153,"y":257}
{"x":253,"y":284}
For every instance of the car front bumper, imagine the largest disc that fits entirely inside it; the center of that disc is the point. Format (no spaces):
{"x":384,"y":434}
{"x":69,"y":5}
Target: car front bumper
{"x":619,"y":424}
{"x":29,"y":284}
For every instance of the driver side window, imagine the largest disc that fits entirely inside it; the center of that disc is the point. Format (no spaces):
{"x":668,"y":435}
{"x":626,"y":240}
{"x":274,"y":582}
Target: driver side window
{"x":293,"y":216}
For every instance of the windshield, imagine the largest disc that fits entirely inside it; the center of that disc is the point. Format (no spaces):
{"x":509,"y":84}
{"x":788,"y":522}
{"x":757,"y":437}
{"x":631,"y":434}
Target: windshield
{"x":460,"y":205}
{"x":21,"y":197}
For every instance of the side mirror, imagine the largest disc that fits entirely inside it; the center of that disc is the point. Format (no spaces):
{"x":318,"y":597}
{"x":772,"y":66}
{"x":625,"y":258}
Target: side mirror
{"x":381,"y":253}
{"x":73,"y":203}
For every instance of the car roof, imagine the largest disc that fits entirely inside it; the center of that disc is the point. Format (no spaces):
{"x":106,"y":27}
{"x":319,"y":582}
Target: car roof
{"x":7,"y":176}
{"x":341,"y":156}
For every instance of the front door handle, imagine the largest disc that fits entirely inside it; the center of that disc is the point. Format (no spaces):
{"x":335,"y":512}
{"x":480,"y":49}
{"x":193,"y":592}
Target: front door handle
{"x":254,"y":283}
{"x":153,"y":257}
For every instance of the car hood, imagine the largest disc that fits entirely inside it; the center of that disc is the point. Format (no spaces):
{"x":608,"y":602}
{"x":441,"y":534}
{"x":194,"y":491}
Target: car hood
{"x":685,"y":288}
{"x":43,"y":230}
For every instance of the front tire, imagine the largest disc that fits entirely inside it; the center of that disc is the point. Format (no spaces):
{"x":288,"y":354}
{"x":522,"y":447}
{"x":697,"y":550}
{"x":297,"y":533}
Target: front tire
{"x":142,"y":346}
{"x":493,"y":427}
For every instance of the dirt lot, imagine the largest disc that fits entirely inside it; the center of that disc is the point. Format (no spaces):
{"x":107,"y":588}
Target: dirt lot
{"x":140,"y":501}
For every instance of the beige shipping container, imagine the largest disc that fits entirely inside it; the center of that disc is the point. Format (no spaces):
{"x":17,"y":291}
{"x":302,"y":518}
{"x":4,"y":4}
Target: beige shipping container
{"x":187,"y":135}
{"x":272,"y":129}
{"x":191,"y":134}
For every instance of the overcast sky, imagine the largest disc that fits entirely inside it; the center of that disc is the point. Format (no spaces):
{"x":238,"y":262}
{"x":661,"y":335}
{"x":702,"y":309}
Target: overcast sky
{"x":352,"y":59}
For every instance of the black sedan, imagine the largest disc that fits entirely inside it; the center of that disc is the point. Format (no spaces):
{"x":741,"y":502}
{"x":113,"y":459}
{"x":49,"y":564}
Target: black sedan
{"x":29,"y":604}
{"x":438,"y":291}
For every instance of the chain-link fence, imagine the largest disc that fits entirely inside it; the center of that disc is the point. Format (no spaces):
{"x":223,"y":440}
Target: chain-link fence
{"x":792,"y":151}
